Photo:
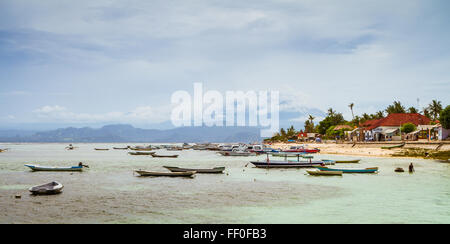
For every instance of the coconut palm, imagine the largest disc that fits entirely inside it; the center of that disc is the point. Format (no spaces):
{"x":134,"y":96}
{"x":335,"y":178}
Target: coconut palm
{"x":435,"y":109}
{"x":351,"y":105}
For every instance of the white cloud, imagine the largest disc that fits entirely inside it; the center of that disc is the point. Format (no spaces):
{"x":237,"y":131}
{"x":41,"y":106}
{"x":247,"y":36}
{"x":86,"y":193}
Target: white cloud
{"x":143,"y":114}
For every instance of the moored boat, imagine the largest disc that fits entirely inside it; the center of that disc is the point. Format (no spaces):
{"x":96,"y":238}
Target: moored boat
{"x":168,"y":174}
{"x":164,"y":156}
{"x":324,"y":173}
{"x":393,"y":146}
{"x":50,"y":168}
{"x":237,"y":153}
{"x":47,"y":189}
{"x":344,"y":161}
{"x":218,"y":170}
{"x":120,"y":148}
{"x":349,"y":170}
{"x":299,"y":149}
{"x":286,"y":164}
{"x":101,"y":149}
{"x":141,"y":153}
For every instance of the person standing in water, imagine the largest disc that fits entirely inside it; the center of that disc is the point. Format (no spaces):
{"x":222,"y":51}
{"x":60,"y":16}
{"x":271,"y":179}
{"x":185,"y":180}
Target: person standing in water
{"x":411,"y":168}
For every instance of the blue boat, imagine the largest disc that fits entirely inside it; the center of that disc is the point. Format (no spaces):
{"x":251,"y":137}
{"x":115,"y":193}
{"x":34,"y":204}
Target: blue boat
{"x":366,"y":170}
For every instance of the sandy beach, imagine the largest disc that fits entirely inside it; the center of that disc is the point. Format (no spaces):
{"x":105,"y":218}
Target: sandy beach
{"x":362,"y":149}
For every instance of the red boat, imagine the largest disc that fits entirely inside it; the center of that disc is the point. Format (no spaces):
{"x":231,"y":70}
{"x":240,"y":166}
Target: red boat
{"x":302,"y":149}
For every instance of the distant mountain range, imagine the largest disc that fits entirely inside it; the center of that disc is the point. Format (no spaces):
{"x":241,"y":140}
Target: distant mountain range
{"x":128,"y":133}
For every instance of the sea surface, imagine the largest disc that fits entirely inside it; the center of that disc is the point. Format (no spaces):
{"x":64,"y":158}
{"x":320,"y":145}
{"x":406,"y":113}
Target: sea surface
{"x":110,"y":192}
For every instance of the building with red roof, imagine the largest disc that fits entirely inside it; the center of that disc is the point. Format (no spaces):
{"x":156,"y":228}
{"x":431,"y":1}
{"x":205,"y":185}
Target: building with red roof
{"x":388,"y":128}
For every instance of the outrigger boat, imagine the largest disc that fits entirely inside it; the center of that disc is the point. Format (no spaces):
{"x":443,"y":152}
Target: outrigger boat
{"x":324,"y":173}
{"x":164,"y":156}
{"x":366,"y":170}
{"x":49,"y":168}
{"x":168,"y":174}
{"x":218,"y":170}
{"x":286,"y":164}
{"x":47,"y":189}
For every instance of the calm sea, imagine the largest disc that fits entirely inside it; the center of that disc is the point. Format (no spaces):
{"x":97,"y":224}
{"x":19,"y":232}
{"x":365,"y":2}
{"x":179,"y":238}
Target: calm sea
{"x":109,"y":192}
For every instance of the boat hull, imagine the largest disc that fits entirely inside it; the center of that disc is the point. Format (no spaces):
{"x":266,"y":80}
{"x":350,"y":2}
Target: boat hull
{"x":366,"y":170}
{"x":218,"y":170}
{"x":59,"y":169}
{"x":286,"y":164}
{"x":47,"y":189}
{"x":238,"y":154}
{"x":324,"y":173}
{"x":166,"y":174}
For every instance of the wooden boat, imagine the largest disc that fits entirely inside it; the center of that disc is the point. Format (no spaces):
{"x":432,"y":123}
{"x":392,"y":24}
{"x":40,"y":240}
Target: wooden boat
{"x":328,"y":162}
{"x":324,"y":173}
{"x":344,"y":161}
{"x":393,"y":146}
{"x":141,"y":148}
{"x":302,"y":149}
{"x":49,"y":168}
{"x":237,"y":153}
{"x":286,"y":164}
{"x":120,"y":148}
{"x":141,"y":153}
{"x":101,"y":149}
{"x":218,"y":170}
{"x":164,"y":156}
{"x":366,"y":170}
{"x":47,"y":189}
{"x":168,"y":174}
{"x":286,"y":154}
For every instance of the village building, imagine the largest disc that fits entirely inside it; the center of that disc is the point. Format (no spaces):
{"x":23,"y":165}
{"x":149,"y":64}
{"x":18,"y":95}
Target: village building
{"x":389,"y":128}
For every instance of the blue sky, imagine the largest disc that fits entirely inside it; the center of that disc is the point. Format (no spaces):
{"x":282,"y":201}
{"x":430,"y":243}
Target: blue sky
{"x":109,"y":61}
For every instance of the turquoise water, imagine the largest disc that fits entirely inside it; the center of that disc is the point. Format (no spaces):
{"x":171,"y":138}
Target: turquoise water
{"x":109,"y":192}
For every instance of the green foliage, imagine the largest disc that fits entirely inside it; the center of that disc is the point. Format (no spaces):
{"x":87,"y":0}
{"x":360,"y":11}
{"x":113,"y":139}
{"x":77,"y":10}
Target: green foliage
{"x":284,"y":135}
{"x":395,"y":108}
{"x":434,"y":109}
{"x":445,"y":117}
{"x":413,"y":110}
{"x":332,"y":119}
{"x":408,"y":128}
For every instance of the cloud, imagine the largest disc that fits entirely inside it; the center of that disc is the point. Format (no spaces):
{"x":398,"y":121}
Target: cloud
{"x":143,"y":114}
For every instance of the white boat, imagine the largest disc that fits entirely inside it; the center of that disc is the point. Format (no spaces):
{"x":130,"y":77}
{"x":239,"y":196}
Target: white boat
{"x":49,"y":168}
{"x":47,"y":189}
{"x":238,"y":153}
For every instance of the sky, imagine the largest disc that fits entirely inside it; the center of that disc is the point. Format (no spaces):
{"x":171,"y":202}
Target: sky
{"x":90,"y":63}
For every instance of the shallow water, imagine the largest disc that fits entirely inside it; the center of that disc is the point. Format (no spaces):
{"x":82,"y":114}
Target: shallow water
{"x":109,"y":192}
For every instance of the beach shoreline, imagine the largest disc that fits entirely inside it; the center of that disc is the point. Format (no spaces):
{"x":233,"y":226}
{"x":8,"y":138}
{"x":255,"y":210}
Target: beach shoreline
{"x":364,"y":149}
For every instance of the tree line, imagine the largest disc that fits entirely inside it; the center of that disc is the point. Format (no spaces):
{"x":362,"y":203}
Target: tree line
{"x":326,"y":127}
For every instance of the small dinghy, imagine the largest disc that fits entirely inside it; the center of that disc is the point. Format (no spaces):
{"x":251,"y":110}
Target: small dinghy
{"x":167,"y":174}
{"x":164,"y":156}
{"x":399,"y":170}
{"x":47,"y":189}
{"x":218,"y":170}
{"x":120,"y":148}
{"x":101,"y":149}
{"x":324,"y":173}
{"x":50,"y":168}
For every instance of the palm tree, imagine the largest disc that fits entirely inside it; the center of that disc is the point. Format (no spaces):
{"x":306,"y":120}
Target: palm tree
{"x":413,"y":110}
{"x":435,"y":109}
{"x":351,"y":105}
{"x":395,"y":108}
{"x":331,"y":112}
